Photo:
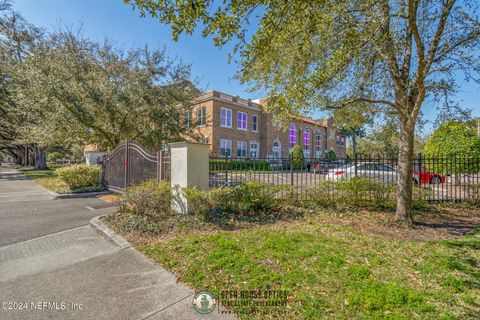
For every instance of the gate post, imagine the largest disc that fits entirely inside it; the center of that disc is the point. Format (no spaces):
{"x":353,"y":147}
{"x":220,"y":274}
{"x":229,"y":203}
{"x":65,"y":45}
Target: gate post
{"x":127,"y":164}
{"x":189,"y":168}
{"x":103,"y":167}
{"x":159,"y":165}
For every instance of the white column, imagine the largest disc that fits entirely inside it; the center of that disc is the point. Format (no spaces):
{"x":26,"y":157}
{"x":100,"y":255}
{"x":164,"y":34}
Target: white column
{"x":189,"y":168}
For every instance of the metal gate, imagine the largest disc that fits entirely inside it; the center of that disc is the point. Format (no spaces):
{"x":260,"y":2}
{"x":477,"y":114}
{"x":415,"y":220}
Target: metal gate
{"x":129,"y":164}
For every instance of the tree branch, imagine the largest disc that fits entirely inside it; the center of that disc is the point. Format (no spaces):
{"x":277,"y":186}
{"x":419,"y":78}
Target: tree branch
{"x":355,"y":100}
{"x":438,"y":34}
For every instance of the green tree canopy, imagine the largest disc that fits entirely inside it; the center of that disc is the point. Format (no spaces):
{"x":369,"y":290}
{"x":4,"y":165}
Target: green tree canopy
{"x":392,"y":54}
{"x":75,"y":90}
{"x":453,"y":138}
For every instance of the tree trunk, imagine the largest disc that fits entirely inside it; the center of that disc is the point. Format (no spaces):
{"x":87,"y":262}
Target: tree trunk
{"x":41,"y":160}
{"x":405,"y":172}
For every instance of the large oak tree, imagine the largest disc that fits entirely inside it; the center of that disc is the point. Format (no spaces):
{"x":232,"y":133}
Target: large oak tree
{"x":392,"y":54}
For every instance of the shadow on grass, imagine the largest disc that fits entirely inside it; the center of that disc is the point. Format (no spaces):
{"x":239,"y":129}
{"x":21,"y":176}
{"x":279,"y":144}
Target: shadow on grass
{"x":463,"y":261}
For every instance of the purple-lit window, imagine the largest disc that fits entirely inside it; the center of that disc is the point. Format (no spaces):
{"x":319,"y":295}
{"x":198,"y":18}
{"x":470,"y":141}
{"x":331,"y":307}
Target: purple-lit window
{"x":241,"y":120}
{"x":292,"y":135}
{"x":306,"y":139}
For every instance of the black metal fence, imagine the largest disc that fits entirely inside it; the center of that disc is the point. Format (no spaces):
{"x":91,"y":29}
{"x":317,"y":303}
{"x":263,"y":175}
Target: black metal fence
{"x":129,"y":164}
{"x":437,"y":178}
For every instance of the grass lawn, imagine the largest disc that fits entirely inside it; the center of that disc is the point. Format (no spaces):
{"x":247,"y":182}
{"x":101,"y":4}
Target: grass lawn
{"x":47,"y":178}
{"x":330,"y":270}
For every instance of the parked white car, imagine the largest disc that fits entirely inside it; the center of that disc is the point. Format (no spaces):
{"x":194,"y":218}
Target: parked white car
{"x":372,"y":170}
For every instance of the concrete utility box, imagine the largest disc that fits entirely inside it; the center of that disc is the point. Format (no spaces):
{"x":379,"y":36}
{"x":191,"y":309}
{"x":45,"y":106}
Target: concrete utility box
{"x":189,"y":168}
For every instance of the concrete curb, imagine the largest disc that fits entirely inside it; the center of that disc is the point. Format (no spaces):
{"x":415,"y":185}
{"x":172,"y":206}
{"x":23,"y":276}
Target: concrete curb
{"x":108,"y":234}
{"x":77,"y":195}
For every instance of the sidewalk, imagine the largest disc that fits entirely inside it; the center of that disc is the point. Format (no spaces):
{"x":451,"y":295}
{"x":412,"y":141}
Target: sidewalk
{"x":79,"y":268}
{"x":76,"y":273}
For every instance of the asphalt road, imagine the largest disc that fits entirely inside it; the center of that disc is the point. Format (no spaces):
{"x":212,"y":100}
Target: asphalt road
{"x":28,"y":211}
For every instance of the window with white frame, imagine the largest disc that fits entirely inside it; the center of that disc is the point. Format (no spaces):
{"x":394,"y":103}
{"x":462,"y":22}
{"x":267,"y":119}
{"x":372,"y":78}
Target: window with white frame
{"x":225,"y":147}
{"x":241,"y":120}
{"x":318,"y":143}
{"x":254,"y":123}
{"x":241,"y":149}
{"x":201,"y":114}
{"x":188,"y":119}
{"x":276,"y":149}
{"x":225,"y":117}
{"x":254,"y":152}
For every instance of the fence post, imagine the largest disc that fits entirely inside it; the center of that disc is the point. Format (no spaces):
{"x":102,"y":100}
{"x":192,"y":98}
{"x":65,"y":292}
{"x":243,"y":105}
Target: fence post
{"x":291,"y":168}
{"x":189,"y":168}
{"x":127,"y":164}
{"x":159,"y":165}
{"x":226,"y":168}
{"x":419,"y":169}
{"x":102,"y":172}
{"x":355,"y":159}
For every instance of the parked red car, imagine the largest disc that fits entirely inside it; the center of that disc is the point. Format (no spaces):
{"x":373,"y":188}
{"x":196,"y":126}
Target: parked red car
{"x":426,"y":176}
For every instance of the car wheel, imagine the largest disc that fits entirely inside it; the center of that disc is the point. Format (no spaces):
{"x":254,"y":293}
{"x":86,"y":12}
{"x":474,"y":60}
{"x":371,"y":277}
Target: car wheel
{"x":435,"y":180}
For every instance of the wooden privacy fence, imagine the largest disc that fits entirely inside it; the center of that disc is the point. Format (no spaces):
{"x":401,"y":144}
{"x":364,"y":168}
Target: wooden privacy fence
{"x":129,"y":164}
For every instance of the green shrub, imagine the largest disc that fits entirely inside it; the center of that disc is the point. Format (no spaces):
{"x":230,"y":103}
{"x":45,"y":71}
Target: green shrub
{"x":297,"y":158}
{"x":247,"y":164}
{"x":247,"y":200}
{"x":54,"y":156}
{"x":147,"y":208}
{"x":331,"y":155}
{"x":148,"y":199}
{"x":420,"y":197}
{"x":79,"y":176}
{"x":360,"y":191}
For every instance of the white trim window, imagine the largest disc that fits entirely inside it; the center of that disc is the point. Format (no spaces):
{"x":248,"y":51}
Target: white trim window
{"x":276,"y":149}
{"x":201,"y":114}
{"x":241,"y":149}
{"x":318,"y":144}
{"x":225,"y":147}
{"x":318,"y":141}
{"x":225,"y":117}
{"x":254,"y":123}
{"x":187,"y":121}
{"x":241,"y":120}
{"x":254,"y":150}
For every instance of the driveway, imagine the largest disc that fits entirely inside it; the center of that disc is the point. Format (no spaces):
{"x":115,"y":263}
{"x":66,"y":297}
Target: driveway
{"x":53,"y":265}
{"x":28,"y":211}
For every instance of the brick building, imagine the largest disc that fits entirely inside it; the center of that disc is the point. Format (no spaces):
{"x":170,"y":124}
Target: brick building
{"x":239,"y":128}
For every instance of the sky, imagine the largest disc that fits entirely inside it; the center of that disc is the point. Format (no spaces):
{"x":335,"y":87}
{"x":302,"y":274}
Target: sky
{"x":115,"y":20}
